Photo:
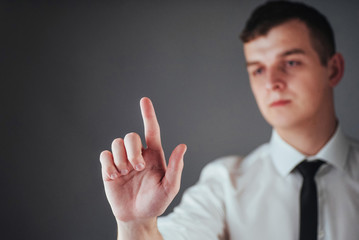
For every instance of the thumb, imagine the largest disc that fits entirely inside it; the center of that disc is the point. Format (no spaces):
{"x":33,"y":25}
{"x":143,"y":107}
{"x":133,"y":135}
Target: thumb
{"x":174,"y":169}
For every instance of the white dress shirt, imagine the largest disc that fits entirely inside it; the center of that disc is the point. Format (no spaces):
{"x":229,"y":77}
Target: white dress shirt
{"x":257,"y":197}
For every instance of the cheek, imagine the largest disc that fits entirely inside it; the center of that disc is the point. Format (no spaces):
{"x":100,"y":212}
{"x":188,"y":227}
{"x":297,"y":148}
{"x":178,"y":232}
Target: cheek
{"x":311,"y":94}
{"x":259,"y":93}
{"x":256,"y":91}
{"x":316,"y":81}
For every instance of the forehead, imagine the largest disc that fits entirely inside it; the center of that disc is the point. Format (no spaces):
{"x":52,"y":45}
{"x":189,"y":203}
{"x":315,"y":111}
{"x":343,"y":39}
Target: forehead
{"x":293,"y":34}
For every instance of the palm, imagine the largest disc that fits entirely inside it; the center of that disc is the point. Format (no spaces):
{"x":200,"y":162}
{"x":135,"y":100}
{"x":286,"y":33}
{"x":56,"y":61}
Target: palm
{"x":138,"y":194}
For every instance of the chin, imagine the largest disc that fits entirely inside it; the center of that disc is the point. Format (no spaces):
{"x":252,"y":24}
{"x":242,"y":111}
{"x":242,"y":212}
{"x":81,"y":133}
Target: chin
{"x":282,"y":122}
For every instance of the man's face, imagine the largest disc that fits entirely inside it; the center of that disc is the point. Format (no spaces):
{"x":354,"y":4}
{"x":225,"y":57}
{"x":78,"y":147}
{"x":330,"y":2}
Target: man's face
{"x":289,"y":83}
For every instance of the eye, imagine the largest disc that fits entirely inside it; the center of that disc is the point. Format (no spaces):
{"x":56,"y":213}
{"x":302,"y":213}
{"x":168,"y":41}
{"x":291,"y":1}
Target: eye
{"x":292,"y":63}
{"x":258,"y":71}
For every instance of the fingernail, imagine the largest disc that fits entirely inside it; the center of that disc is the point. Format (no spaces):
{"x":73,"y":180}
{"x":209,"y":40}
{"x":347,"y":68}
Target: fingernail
{"x":114,"y":175}
{"x":140,"y":166}
{"x":124,"y":171}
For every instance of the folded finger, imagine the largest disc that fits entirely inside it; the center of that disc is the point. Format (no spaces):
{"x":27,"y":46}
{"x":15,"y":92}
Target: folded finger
{"x":109,"y":170}
{"x":119,"y":155}
{"x":133,"y":146}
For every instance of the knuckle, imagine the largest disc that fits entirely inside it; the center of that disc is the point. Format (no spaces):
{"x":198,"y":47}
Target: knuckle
{"x":116,"y":142}
{"x":104,"y":155}
{"x":131,"y":136}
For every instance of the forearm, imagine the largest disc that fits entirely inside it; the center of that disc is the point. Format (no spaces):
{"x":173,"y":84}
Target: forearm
{"x":146,"y":229}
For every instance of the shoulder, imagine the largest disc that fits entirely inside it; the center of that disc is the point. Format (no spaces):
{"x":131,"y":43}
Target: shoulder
{"x":234,"y":166}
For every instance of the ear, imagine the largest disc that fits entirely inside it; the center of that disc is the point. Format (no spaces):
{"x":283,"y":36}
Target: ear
{"x":336,"y":69}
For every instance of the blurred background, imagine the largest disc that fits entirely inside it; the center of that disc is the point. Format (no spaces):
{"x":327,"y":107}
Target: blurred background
{"x":72,"y":75}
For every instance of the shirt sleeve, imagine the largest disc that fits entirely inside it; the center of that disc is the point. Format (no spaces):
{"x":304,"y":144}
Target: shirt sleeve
{"x":201,"y":213}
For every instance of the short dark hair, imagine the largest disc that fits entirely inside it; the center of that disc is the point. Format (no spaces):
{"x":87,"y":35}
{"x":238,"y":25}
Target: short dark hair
{"x":274,"y":13}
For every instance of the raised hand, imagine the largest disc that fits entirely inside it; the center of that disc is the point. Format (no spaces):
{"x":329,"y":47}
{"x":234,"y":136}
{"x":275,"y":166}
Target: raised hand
{"x":138,"y":184}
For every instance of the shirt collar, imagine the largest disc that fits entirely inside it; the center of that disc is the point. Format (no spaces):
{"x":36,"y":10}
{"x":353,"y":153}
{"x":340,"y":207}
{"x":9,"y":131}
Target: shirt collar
{"x":285,"y":157}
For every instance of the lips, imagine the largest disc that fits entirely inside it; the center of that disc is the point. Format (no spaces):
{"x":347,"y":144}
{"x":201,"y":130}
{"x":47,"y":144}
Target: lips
{"x":279,"y":103}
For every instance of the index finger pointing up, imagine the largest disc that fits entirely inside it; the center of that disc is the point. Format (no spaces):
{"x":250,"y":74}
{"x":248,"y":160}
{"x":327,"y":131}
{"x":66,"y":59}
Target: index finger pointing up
{"x":152,"y":128}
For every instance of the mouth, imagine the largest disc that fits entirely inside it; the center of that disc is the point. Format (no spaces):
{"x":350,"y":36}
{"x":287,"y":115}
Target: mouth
{"x":279,"y":103}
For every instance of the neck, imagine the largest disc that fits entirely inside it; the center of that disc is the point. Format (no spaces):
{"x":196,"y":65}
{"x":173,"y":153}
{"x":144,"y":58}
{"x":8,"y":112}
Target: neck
{"x":311,"y":138}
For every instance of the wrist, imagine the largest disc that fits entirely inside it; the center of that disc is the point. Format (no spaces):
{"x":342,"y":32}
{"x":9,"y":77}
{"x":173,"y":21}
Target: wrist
{"x":139,"y":229}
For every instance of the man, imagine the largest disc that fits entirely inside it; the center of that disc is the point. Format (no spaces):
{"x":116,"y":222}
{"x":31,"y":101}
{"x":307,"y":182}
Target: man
{"x":303,"y":184}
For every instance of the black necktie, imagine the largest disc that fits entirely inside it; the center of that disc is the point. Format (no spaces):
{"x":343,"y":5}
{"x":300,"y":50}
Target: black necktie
{"x":308,"y":200}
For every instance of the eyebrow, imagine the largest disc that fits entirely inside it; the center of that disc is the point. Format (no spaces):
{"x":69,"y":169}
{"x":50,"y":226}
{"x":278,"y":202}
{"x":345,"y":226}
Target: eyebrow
{"x":284,"y":54}
{"x":292,"y":51}
{"x":252,"y":63}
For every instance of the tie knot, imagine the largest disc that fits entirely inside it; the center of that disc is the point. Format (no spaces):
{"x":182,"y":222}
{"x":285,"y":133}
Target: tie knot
{"x":309,"y":169}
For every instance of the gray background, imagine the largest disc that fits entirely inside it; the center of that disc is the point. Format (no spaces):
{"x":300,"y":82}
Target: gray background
{"x":72,"y":75}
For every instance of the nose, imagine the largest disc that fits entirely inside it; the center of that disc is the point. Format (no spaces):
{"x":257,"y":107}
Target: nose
{"x":276,"y":79}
